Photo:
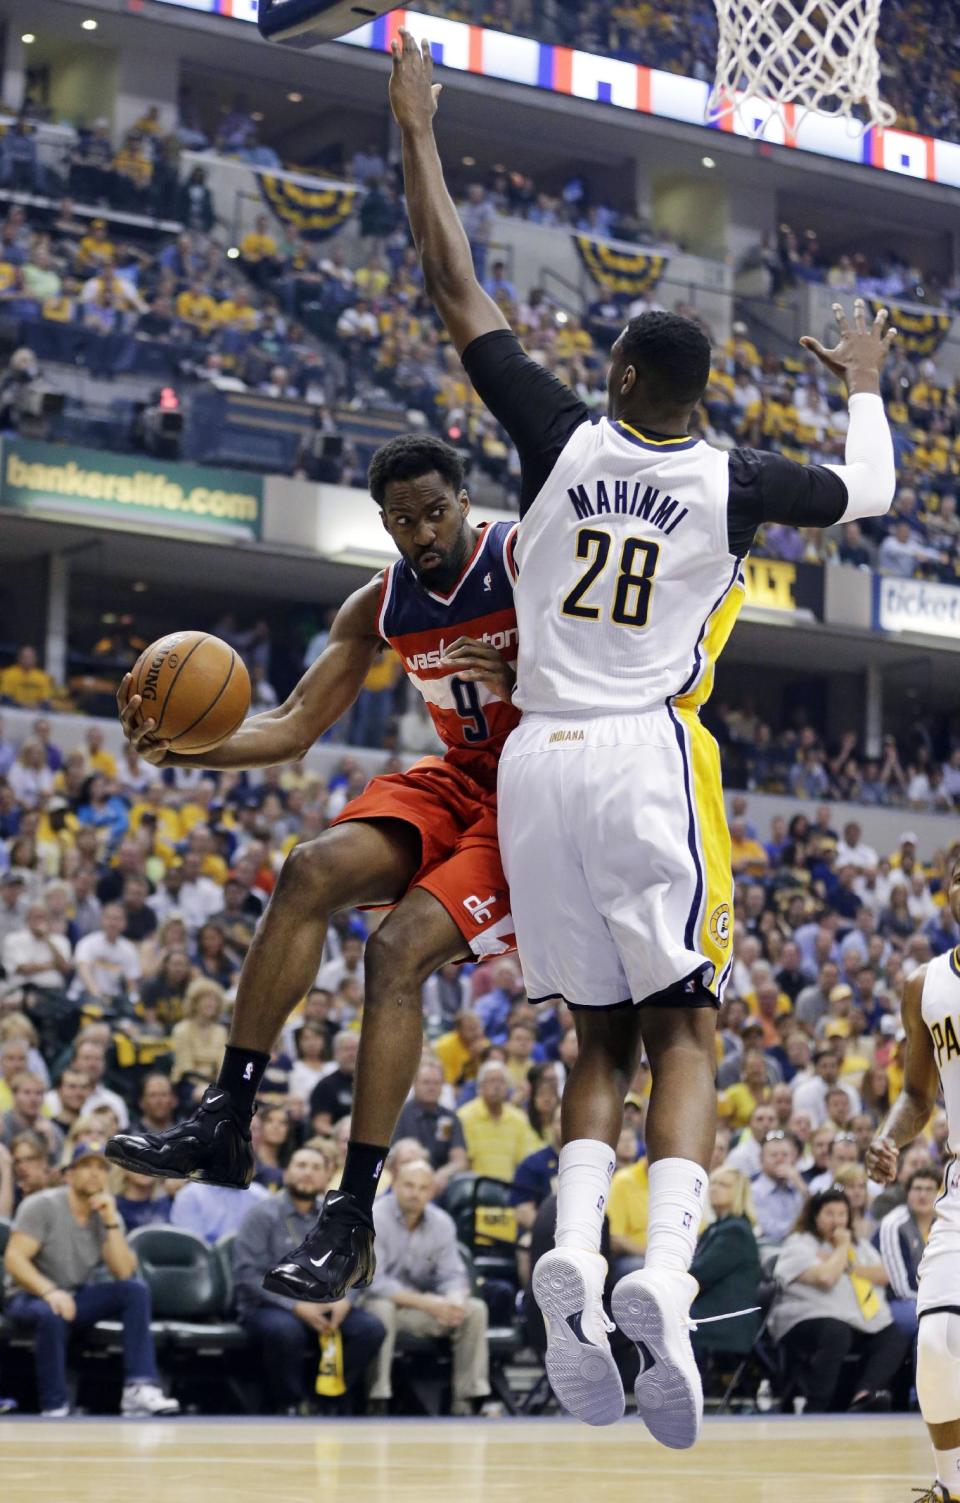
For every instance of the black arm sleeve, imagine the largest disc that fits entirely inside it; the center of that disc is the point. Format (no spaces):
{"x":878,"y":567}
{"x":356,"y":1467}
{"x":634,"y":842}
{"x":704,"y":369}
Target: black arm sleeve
{"x":536,"y":409}
{"x":768,"y":488}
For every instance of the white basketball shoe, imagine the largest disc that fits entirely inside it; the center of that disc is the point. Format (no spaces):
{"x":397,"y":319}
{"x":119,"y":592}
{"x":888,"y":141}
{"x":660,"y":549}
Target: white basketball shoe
{"x":568,"y":1288}
{"x":652,"y":1307}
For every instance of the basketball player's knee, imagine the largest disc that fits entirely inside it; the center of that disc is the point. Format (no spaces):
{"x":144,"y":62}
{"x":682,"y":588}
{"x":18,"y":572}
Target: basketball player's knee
{"x":310,"y":874}
{"x":395,"y":961}
{"x":938,"y":1367}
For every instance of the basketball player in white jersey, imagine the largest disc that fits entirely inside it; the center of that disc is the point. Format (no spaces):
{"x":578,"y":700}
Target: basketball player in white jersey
{"x":611,"y":822}
{"x":931,"y":1017}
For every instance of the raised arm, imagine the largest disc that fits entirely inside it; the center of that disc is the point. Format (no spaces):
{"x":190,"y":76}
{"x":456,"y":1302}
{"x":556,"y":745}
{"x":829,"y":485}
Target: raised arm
{"x":767,"y":487}
{"x":326,"y":691}
{"x":910,"y":1112}
{"x":857,"y":359}
{"x":441,"y":242}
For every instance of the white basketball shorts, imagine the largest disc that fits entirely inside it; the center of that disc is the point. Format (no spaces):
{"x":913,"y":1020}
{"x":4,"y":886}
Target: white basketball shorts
{"x":615,"y":844}
{"x":939,"y":1287}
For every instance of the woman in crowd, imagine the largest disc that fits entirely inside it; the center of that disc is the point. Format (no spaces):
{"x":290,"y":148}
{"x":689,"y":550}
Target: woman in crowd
{"x":277,"y":1140}
{"x":852,"y":1179}
{"x":833,"y":1304}
{"x":896,"y":921}
{"x":171,"y":935}
{"x":30,"y":778}
{"x":726,"y":1265}
{"x":162,"y":997}
{"x":212,"y":959}
{"x":198,"y":1040}
{"x":543,"y":1099}
{"x":313,"y":1061}
{"x":875,"y":1091}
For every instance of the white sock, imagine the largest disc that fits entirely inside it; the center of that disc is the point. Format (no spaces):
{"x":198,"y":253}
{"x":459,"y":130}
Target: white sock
{"x":677,"y":1190}
{"x":948,"y":1471}
{"x":586,"y":1169}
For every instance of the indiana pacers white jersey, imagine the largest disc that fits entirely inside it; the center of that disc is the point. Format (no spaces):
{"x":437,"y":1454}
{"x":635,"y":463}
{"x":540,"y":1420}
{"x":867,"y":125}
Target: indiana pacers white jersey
{"x":627,"y":591}
{"x":612,"y":825}
{"x":940,"y":1009}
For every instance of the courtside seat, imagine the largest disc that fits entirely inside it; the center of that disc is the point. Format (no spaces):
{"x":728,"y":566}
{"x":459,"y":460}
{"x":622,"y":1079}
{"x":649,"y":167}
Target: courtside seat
{"x":187,"y":1289}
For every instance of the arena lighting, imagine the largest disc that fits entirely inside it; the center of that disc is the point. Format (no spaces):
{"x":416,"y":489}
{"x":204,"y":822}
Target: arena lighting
{"x":469,"y":161}
{"x":708,"y":162}
{"x":295,"y":97}
{"x":89,"y":24}
{"x":232,"y":253}
{"x":27,"y":38}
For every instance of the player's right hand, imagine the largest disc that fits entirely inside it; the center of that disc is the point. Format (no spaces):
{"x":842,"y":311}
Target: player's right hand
{"x":882,"y":1161}
{"x":137,"y":731}
{"x":859,"y":350}
{"x":413,"y":93}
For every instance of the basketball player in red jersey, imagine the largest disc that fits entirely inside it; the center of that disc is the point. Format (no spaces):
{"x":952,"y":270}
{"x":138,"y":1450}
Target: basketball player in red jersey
{"x":424,"y":840}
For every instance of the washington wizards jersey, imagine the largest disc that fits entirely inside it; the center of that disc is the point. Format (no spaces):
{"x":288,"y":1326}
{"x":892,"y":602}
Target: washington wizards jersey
{"x":420,"y":623}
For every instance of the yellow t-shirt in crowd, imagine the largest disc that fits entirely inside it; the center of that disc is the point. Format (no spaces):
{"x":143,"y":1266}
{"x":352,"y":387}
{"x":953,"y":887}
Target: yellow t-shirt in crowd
{"x":102,"y":761}
{"x":242,"y":316}
{"x":254,"y":247}
{"x":57,"y":310}
{"x":736,"y":1104}
{"x":25,"y":686}
{"x":459,"y":1062}
{"x":94,"y":252}
{"x":628,"y":1203}
{"x":496,"y":1145}
{"x":196,"y":308}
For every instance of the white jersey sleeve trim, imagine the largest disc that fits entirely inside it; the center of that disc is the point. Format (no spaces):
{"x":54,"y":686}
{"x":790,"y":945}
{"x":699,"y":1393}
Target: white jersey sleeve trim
{"x":509,"y":544}
{"x":387,"y":597}
{"x":870,"y":474}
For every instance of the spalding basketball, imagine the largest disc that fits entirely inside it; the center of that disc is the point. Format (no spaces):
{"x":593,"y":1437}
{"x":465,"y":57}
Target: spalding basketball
{"x":195,"y":687}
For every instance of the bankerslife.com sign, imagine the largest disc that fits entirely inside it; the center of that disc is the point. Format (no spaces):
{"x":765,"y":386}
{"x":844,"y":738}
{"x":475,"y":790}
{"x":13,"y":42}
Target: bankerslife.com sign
{"x":901,"y":605}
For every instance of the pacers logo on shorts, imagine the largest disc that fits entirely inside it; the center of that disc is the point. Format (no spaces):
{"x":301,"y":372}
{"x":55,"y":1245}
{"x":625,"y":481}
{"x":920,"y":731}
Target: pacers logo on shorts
{"x":720,"y":925}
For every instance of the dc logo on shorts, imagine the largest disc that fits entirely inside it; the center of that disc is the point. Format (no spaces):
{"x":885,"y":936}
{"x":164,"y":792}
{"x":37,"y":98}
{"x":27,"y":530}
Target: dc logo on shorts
{"x":720,"y":924}
{"x":480,"y":909}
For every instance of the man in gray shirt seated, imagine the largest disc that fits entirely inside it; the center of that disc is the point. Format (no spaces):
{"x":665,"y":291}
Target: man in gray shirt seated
{"x":58,"y":1238}
{"x":289,"y":1330}
{"x":421,"y":1288}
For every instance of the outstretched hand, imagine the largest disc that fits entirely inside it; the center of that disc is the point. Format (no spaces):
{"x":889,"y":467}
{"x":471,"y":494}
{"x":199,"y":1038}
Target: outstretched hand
{"x":413,"y":93}
{"x":859,"y":355}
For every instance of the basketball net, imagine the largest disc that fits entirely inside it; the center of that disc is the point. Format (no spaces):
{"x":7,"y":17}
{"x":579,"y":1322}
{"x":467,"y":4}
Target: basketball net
{"x":818,"y":55}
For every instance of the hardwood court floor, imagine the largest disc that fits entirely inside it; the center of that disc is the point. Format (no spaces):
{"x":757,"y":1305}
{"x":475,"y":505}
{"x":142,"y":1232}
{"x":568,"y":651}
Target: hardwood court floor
{"x":782,"y":1460}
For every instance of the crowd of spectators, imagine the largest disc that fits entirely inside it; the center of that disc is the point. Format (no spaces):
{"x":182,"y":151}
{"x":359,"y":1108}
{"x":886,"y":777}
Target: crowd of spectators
{"x":296,"y":319}
{"x":128,"y":900}
{"x":919,"y":52}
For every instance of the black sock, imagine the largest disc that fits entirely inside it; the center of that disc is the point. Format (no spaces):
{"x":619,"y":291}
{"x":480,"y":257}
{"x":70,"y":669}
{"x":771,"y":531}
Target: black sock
{"x":240,"y":1076}
{"x":362,"y":1171}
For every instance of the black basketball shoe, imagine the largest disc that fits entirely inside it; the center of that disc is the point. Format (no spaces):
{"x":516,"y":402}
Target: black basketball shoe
{"x":213,"y":1145}
{"x":335,"y":1256}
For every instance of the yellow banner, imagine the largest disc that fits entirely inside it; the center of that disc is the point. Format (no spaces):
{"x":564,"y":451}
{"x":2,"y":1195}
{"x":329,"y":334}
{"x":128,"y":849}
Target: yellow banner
{"x":314,"y":213}
{"x":918,"y":332}
{"x":620,"y":268}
